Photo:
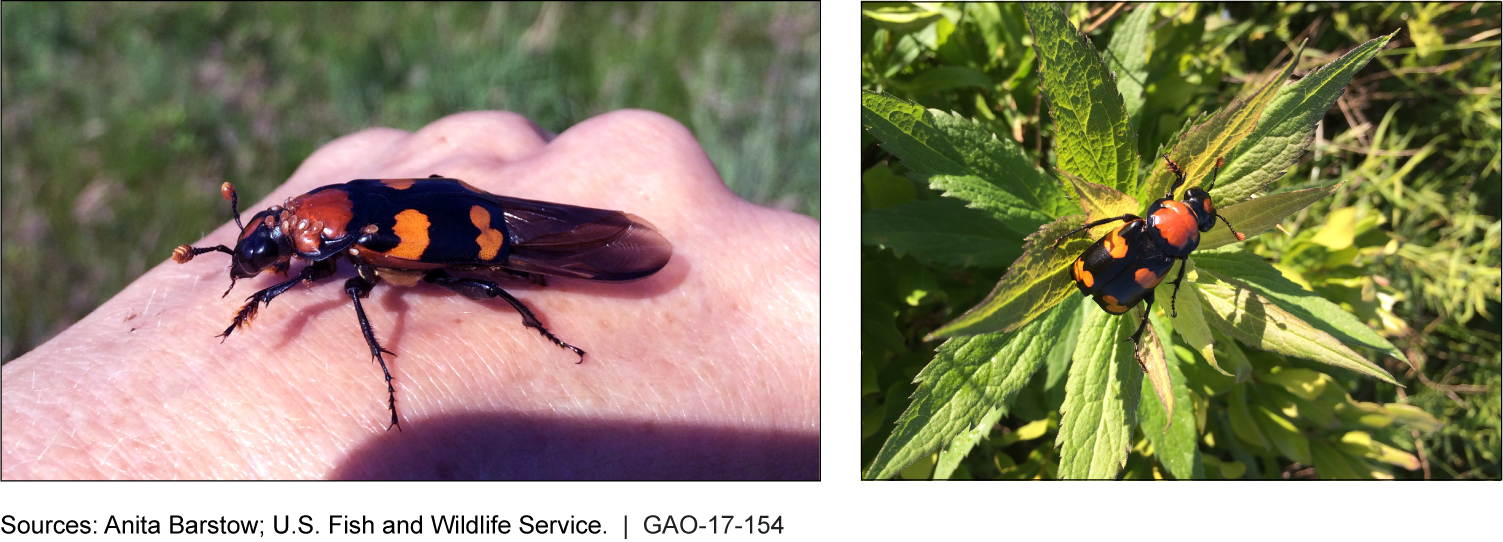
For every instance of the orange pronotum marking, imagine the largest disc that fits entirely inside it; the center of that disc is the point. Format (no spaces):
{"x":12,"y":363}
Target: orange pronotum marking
{"x":1176,"y":223}
{"x":412,"y":229}
{"x":490,"y":239}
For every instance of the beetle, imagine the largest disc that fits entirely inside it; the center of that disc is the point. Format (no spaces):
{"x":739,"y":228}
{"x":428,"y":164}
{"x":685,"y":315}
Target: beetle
{"x":1124,"y":266}
{"x":406,"y":230}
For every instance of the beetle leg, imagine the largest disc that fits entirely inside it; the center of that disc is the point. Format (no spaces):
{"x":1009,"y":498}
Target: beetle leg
{"x":1179,"y":176}
{"x":483,"y":289}
{"x":357,"y":288}
{"x":1127,"y":217}
{"x":1144,"y":322}
{"x":316,"y":271}
{"x":1182,"y":265}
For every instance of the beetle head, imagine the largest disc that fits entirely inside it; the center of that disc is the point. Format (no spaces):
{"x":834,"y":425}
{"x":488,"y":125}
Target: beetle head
{"x":261,"y":245}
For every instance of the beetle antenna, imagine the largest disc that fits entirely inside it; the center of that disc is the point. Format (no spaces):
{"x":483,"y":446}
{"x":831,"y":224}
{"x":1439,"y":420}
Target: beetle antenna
{"x":1179,"y":175}
{"x":1220,"y":161}
{"x":1239,"y":235}
{"x":228,"y":191}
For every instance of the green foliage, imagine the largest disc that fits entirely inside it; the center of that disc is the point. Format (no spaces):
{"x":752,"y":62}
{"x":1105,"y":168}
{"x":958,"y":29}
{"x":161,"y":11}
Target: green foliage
{"x":121,"y":119}
{"x":1337,"y":292}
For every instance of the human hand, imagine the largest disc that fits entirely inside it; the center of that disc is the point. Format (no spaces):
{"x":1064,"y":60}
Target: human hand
{"x":706,"y":370}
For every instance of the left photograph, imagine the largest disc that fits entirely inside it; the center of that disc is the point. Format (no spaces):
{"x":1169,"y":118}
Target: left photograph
{"x":505,"y":242}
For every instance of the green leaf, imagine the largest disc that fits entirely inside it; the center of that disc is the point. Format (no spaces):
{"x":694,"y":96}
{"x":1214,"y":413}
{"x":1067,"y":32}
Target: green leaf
{"x":1331,"y":464}
{"x":1127,"y":54}
{"x":883,"y":188}
{"x":1173,"y":438}
{"x":950,"y":456}
{"x":1197,"y":150}
{"x":1150,"y":356}
{"x":1036,"y":282}
{"x":964,"y":161}
{"x":1287,"y":126}
{"x":1283,"y":434}
{"x":1255,"y":321}
{"x":902,"y":18}
{"x":942,"y":231}
{"x":946,"y":78}
{"x":1101,"y":399}
{"x":1092,"y":137}
{"x":1258,"y":215}
{"x":1244,"y":268}
{"x":1185,"y":312}
{"x":968,"y":378}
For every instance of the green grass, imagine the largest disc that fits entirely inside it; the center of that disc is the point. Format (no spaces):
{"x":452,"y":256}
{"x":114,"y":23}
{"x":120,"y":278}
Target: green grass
{"x":121,"y":120}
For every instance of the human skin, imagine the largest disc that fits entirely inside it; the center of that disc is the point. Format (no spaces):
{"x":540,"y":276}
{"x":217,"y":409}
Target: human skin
{"x":706,"y":370}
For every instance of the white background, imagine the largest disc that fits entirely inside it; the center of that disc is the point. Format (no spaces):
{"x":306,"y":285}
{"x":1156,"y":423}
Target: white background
{"x":841,"y":505}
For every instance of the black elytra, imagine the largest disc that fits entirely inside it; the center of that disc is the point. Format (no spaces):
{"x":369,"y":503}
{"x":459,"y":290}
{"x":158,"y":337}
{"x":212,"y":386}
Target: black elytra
{"x":409,"y":229}
{"x":1124,"y":266}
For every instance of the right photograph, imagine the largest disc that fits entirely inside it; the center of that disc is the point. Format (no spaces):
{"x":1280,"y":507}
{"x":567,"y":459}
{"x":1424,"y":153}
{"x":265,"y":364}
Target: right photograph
{"x":1180,"y":241}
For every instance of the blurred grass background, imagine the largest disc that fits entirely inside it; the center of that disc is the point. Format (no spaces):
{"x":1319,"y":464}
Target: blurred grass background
{"x":120,"y":120}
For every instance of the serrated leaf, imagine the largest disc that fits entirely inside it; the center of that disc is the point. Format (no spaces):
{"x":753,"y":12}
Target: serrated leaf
{"x":942,"y":231}
{"x":1101,"y":399}
{"x":1255,"y":321}
{"x":1000,"y":162}
{"x":964,"y":161}
{"x":1101,"y":202}
{"x":1185,"y":312}
{"x":1197,"y":149}
{"x":1150,"y":355}
{"x":1244,"y":268}
{"x":1287,"y":126}
{"x":961,"y":445}
{"x":1258,"y":215}
{"x":1092,"y":137}
{"x":1172,"y":436}
{"x":968,"y":378}
{"x":1036,"y":282}
{"x":1127,"y":54}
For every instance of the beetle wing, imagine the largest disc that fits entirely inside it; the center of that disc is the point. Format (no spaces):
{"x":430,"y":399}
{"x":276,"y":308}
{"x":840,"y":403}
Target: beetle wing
{"x":1108,"y":257}
{"x":1129,"y":287}
{"x":581,"y":242}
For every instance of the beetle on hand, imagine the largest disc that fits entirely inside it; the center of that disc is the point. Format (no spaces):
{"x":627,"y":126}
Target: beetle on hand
{"x":406,"y":230}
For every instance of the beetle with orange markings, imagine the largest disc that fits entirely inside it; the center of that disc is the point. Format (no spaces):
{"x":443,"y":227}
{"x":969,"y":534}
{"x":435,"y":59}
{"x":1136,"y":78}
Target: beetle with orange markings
{"x":1123,"y":267}
{"x":407,"y":230}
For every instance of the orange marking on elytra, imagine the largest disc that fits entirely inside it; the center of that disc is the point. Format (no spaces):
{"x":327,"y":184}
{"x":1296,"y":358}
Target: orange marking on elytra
{"x":412,"y":229}
{"x":1116,"y":245}
{"x":490,"y":239}
{"x":1146,"y":278}
{"x":1112,"y":306}
{"x":399,"y":184}
{"x":1082,"y":276}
